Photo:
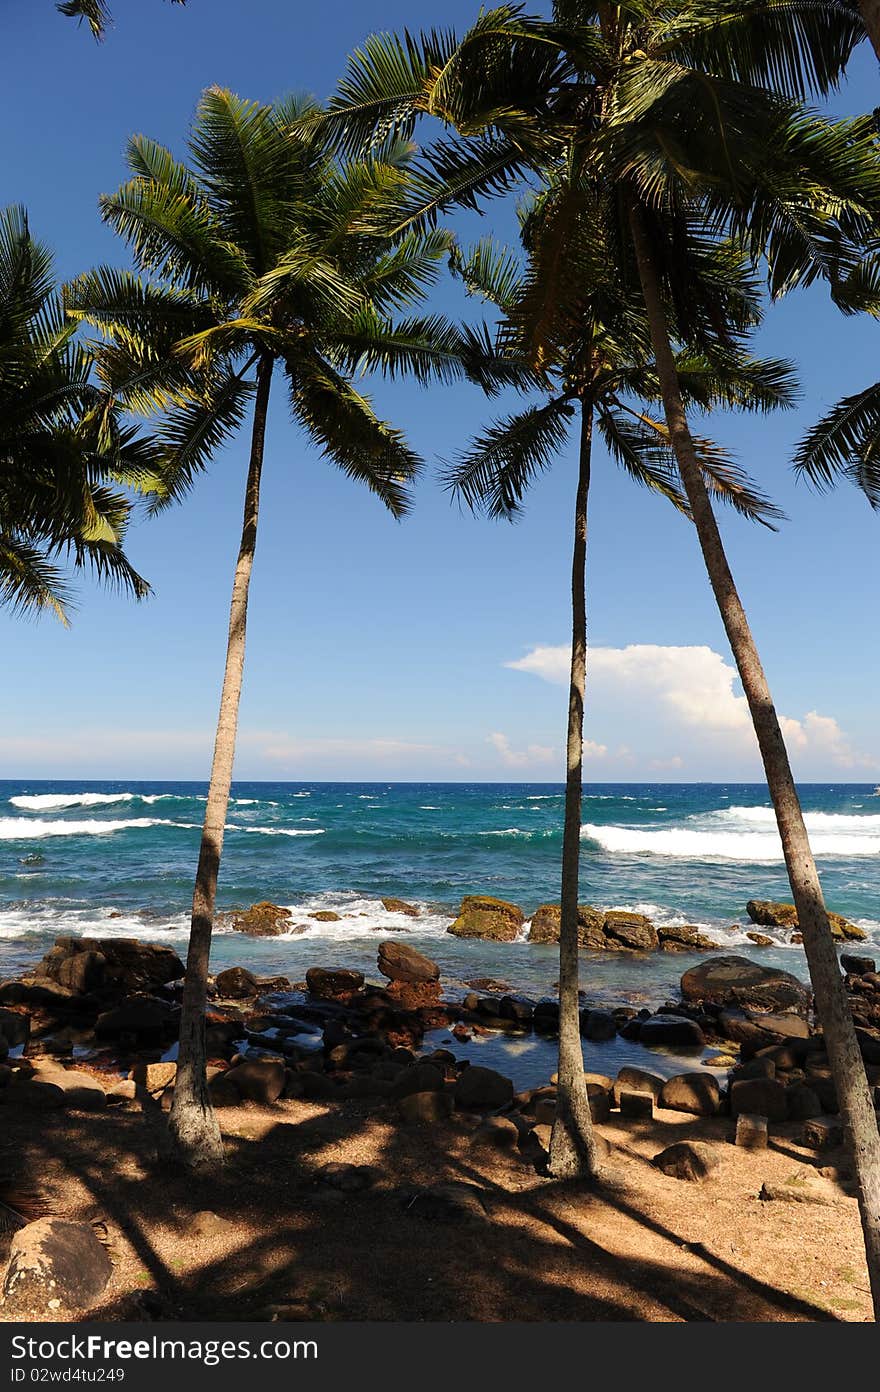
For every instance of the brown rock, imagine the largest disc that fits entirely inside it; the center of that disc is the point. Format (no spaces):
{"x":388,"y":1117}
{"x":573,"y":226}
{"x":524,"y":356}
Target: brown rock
{"x":236,"y":983}
{"x":55,"y":1260}
{"x":400,"y":962}
{"x":691,"y":1160}
{"x":768,"y":914}
{"x":425,"y":1108}
{"x":263,"y":920}
{"x":400,"y":906}
{"x":696,"y":1093}
{"x":759,"y":1097}
{"x":479,"y":1088}
{"x":257,"y":1080}
{"x":739,"y":981}
{"x":483,"y":917}
{"x":631,"y":931}
{"x":328,"y":984}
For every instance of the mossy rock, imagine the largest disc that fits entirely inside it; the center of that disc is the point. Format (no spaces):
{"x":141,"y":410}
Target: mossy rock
{"x":544,"y":927}
{"x":769,"y":914}
{"x":481,"y":916}
{"x":325,"y":916}
{"x":263,"y":920}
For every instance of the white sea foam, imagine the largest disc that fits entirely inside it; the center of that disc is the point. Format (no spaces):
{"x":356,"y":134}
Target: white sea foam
{"x":751,"y":846}
{"x":54,"y":802}
{"x":33,"y":829}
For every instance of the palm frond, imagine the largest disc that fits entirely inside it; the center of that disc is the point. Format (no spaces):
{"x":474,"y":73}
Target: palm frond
{"x":495,"y":472}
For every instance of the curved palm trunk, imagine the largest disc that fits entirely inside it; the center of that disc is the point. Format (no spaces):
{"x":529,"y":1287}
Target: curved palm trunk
{"x":193,"y":1125}
{"x":832,"y":1006}
{"x":870,"y":12}
{"x":572,"y":1142}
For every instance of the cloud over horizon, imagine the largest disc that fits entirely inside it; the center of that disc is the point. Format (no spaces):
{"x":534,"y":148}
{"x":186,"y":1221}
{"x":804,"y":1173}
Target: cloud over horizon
{"x":682,"y":699}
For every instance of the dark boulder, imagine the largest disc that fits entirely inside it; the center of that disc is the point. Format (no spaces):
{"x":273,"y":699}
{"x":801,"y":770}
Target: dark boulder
{"x":400,"y":962}
{"x":696,"y":1093}
{"x":54,"y":1260}
{"x":142,"y":1017}
{"x":759,"y":1097}
{"x":738,"y":981}
{"x":327,"y":984}
{"x":479,"y":1088}
{"x":690,"y":1160}
{"x":671,"y":1032}
{"x":236,"y":983}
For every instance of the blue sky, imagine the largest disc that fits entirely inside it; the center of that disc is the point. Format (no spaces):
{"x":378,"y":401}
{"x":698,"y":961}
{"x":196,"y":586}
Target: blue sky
{"x":432,"y":648}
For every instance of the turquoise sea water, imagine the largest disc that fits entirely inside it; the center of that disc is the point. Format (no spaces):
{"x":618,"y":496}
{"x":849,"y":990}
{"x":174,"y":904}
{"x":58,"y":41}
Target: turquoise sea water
{"x":104,"y":858}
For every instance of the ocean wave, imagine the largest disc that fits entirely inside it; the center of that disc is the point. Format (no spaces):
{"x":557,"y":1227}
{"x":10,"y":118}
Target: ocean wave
{"x":36,"y":828}
{"x":751,"y":846}
{"x":27,"y":829}
{"x":815,"y":821}
{"x":54,"y":802}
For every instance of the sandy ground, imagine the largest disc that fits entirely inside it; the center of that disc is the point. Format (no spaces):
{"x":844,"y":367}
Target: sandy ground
{"x":291,"y":1246}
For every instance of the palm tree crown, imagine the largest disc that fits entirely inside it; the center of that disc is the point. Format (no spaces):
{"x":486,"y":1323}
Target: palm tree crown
{"x":61,"y":457}
{"x":266,"y":250}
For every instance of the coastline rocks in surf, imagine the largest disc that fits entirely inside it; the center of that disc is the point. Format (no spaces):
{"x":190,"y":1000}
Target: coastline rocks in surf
{"x":400,"y":962}
{"x":400,"y":906}
{"x":633,"y":930}
{"x":263,"y":920}
{"x":481,"y":916}
{"x":769,"y":914}
{"x":618,"y":930}
{"x":544,"y":926}
{"x":737,"y":981}
{"x":684,"y":937}
{"x":760,"y":939}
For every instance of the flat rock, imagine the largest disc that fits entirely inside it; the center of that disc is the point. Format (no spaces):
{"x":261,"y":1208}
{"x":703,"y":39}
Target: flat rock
{"x":739,"y":981}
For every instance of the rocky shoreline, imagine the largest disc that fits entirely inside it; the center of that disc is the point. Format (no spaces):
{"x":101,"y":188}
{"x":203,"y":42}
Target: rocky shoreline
{"x":91,"y":1028}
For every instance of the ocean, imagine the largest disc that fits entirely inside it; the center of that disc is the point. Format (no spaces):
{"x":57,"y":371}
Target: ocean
{"x":118,"y":858}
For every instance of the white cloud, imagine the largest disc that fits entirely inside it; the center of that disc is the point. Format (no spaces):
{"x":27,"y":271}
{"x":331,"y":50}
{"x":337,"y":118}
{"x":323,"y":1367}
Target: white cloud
{"x":687,"y":692}
{"x":520,"y":758}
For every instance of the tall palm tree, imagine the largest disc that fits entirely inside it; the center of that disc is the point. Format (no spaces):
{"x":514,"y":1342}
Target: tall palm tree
{"x":264,"y":256}
{"x":574,"y":317}
{"x":96,"y":13}
{"x":689,"y":113}
{"x":62,"y":455}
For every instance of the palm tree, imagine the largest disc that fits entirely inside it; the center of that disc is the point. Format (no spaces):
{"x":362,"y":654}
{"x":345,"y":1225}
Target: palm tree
{"x":265,"y":254}
{"x":96,"y":13}
{"x":689,"y":114}
{"x":572,"y":315}
{"x":61,"y":454}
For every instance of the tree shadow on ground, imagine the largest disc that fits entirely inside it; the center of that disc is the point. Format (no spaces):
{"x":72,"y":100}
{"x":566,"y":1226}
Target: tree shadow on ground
{"x":292,"y":1246}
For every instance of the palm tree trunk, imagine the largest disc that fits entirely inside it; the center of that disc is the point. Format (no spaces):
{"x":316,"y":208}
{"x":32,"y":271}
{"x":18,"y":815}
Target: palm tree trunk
{"x":572,"y":1142}
{"x":870,"y":12}
{"x":193,"y":1125}
{"x":832,"y":1007}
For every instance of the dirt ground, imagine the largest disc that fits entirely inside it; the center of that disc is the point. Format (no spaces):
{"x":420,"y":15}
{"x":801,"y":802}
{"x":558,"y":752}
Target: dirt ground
{"x":642,"y":1247}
